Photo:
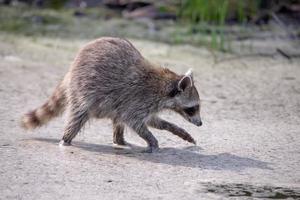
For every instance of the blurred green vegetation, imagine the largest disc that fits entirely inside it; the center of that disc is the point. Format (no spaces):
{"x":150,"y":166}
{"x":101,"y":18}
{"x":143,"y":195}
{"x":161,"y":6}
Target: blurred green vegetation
{"x":218,"y":11}
{"x":24,"y":20}
{"x":211,"y":16}
{"x":97,"y":22}
{"x":210,"y":23}
{"x":30,"y":21}
{"x":56,"y":4}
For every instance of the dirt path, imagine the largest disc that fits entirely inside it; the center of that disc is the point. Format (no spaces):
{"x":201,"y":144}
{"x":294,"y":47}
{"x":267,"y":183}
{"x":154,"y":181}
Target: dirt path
{"x":250,"y":138}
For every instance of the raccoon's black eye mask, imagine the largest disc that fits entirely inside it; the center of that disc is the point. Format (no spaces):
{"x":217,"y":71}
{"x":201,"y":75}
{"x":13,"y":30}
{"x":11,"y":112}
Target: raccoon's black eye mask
{"x":191,"y":110}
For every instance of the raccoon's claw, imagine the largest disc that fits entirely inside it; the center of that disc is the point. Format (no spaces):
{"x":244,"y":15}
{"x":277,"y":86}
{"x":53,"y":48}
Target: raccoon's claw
{"x":189,"y":139}
{"x":193,"y":141}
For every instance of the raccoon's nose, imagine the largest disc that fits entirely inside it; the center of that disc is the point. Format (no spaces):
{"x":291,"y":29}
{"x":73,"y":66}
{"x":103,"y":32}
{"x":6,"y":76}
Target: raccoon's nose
{"x":199,"y":123}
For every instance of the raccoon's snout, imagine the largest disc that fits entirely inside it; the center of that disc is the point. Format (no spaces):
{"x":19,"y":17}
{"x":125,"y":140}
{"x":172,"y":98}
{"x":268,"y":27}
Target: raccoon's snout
{"x":192,"y":115}
{"x":197,"y":122}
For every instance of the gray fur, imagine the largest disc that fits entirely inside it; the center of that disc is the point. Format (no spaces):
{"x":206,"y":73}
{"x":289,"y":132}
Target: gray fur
{"x":109,"y":78}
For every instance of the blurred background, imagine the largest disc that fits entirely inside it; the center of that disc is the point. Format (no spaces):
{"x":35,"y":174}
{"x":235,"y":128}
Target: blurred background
{"x":245,"y":56}
{"x":264,"y":27}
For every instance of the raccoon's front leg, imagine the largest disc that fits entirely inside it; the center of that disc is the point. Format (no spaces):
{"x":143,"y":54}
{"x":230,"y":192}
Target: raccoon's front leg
{"x":118,"y":133}
{"x":143,"y":132}
{"x":161,"y":124}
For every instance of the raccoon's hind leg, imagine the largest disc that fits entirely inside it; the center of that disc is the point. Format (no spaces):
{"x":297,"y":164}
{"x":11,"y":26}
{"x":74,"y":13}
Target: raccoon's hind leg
{"x":161,"y":124}
{"x":77,"y":118}
{"x":118,"y":133}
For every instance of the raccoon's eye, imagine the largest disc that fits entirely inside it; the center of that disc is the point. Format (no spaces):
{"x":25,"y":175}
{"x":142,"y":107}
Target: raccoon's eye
{"x":191,"y":110}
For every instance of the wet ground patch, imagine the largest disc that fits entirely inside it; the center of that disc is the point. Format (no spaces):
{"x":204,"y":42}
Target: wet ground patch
{"x":247,"y":190}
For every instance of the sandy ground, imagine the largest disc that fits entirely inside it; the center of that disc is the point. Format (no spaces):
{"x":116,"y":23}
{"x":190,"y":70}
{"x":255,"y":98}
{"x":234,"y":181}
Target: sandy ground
{"x":248,"y":146}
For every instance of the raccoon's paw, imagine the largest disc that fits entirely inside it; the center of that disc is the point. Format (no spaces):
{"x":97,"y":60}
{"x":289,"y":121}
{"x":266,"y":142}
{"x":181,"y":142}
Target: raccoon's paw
{"x":192,"y":141}
{"x":62,"y":143}
{"x":125,"y":145}
{"x":121,"y":143}
{"x":151,"y":149}
{"x":189,"y":138}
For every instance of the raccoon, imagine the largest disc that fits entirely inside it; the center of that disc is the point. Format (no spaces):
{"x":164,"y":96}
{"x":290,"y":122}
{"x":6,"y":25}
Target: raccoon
{"x":109,"y":78}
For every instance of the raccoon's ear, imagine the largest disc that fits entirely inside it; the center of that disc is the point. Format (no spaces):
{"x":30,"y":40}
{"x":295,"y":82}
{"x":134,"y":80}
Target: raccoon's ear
{"x":189,"y":73}
{"x":185,"y":81}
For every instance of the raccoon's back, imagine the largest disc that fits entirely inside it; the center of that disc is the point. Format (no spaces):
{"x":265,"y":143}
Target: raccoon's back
{"x":107,"y":61}
{"x":107,"y":70}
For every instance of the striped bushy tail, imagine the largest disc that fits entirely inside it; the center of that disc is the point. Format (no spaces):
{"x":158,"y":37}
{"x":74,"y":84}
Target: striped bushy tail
{"x":53,"y":107}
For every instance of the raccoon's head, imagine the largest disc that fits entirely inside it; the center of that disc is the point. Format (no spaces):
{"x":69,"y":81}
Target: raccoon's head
{"x":185,"y":99}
